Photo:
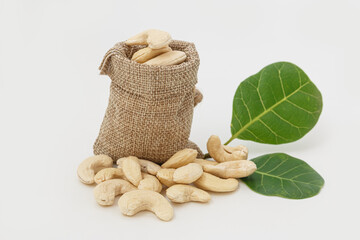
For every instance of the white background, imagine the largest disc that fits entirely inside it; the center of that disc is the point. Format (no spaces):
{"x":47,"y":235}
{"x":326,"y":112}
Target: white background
{"x":52,"y":101}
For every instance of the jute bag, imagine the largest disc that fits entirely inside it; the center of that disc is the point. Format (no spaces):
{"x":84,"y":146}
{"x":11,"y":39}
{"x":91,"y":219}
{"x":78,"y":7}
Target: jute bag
{"x":150,"y":108}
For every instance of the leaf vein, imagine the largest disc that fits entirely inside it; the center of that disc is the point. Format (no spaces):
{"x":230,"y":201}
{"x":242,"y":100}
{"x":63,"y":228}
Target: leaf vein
{"x":276,"y":166}
{"x":272,"y":131}
{"x":282,"y":187}
{"x":311,"y":113}
{"x":281,"y":81}
{"x":302,"y":175}
{"x":301,"y":192}
{"x":265,"y":163}
{"x":247,"y":109}
{"x":306,"y":93}
{"x":238,"y":120}
{"x":254,"y":135}
{"x":290,"y":170}
{"x":279,"y":116}
{"x":286,"y":178}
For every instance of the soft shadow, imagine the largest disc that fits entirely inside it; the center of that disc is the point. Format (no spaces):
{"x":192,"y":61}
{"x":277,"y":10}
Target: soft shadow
{"x":314,"y":139}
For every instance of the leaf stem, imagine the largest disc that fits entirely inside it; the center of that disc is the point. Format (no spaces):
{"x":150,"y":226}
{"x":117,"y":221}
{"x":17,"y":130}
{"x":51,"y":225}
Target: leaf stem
{"x":230,"y":140}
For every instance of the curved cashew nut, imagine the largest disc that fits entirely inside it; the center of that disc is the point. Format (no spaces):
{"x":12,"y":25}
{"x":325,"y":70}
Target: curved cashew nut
{"x":215,"y":184}
{"x":87,"y":169}
{"x":119,"y":162}
{"x":203,"y":162}
{"x":149,"y":167}
{"x":188,"y":173}
{"x":168,"y":58}
{"x":180,"y":193}
{"x":155,"y":38}
{"x":150,"y":182}
{"x":146,"y":166}
{"x":165,"y":176}
{"x":106,"y":192}
{"x":139,"y":200}
{"x":132,"y":170}
{"x":147,"y":53}
{"x":181,"y":158}
{"x":197,"y":96}
{"x":232,"y":169}
{"x":221,"y":153}
{"x":107,"y":174}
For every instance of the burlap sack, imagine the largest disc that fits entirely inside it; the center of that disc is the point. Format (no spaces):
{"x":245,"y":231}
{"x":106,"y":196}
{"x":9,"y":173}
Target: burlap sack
{"x":150,"y":108}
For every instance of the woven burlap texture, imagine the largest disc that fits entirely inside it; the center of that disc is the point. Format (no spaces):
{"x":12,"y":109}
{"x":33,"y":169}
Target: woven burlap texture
{"x":150,"y":108}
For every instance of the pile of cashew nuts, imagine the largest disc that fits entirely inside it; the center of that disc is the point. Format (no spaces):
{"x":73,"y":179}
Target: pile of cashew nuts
{"x":140,"y":182}
{"x":157,"y":51}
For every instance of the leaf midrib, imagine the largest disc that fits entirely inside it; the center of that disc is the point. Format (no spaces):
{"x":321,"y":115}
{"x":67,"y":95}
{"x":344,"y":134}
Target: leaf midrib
{"x":288,"y":179}
{"x":266,"y":111}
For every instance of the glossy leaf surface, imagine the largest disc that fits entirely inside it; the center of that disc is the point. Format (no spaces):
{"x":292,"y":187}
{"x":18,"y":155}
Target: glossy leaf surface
{"x":277,"y":105}
{"x":279,"y":174}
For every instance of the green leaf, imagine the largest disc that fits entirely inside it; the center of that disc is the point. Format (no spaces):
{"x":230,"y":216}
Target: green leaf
{"x":279,"y":174}
{"x":277,"y":105}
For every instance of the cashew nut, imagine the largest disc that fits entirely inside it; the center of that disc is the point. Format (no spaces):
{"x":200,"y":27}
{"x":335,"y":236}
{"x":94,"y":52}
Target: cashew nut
{"x":150,"y":182}
{"x":149,"y":167}
{"x":181,"y":158}
{"x":221,"y":153}
{"x":215,"y":184}
{"x":90,"y":166}
{"x":165,"y":176}
{"x":155,"y":38}
{"x":119,"y":162}
{"x":147,"y":53}
{"x":198,"y":97}
{"x":168,"y":58}
{"x":132,"y":170}
{"x":188,"y":173}
{"x":180,"y":193}
{"x":107,"y":174}
{"x":203,"y":162}
{"x":232,"y":169}
{"x":139,"y":200}
{"x":146,"y":166}
{"x":106,"y":192}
